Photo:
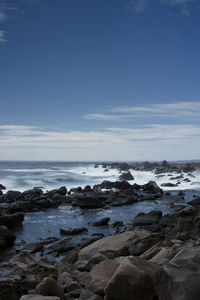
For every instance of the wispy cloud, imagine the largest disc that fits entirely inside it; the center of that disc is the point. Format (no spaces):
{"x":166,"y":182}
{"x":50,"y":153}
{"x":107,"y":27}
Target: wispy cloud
{"x":153,"y":141}
{"x":179,"y":110}
{"x":184,"y":5}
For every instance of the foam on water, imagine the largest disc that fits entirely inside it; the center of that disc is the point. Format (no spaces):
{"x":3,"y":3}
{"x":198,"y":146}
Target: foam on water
{"x":22,"y":176}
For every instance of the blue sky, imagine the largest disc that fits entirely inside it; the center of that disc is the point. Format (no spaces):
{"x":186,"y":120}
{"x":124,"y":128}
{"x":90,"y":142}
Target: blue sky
{"x":99,"y":79}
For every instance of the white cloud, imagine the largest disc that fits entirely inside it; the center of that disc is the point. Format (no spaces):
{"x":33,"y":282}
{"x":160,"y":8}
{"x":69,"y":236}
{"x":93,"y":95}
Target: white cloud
{"x":153,"y":142}
{"x":138,"y":5}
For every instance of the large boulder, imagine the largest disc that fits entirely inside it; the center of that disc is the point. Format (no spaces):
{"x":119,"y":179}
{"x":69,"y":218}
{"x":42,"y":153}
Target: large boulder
{"x":181,"y":278}
{"x":150,"y":218}
{"x":111,"y":246}
{"x":134,"y":279}
{"x":100,"y":275}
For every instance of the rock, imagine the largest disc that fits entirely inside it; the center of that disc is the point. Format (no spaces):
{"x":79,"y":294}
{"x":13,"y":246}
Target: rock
{"x":6,"y":237}
{"x":2,"y":187}
{"x":141,"y":244}
{"x":60,"y":246}
{"x":110,"y":246}
{"x":183,"y":276}
{"x":38,"y":297}
{"x":152,"y":187}
{"x":100,"y":275}
{"x":72,"y":231}
{"x":11,"y":220}
{"x":150,"y":218}
{"x":23,"y":273}
{"x":195,"y":201}
{"x":74,"y":289}
{"x":65,"y":278}
{"x":32,"y":247}
{"x":14,"y":196}
{"x":120,"y":185}
{"x":168,"y":184}
{"x":90,"y":202}
{"x":134,"y":279}
{"x":126,"y":176}
{"x":50,"y":287}
{"x":101,"y":222}
{"x":96,"y":259}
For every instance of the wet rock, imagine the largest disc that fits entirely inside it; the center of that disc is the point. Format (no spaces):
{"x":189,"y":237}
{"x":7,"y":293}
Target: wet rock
{"x":195,"y":201}
{"x":90,"y":202}
{"x":87,"y":241}
{"x":150,"y":218}
{"x":50,"y":287}
{"x":60,"y":246}
{"x":11,"y":220}
{"x":117,"y":224}
{"x":32,"y":247}
{"x":2,"y":187}
{"x":13,"y":196}
{"x":100,"y":275}
{"x":121,"y":185}
{"x":73,"y":231}
{"x":6,"y":237}
{"x":119,"y":201}
{"x":126,"y":176}
{"x":152,"y":187}
{"x":101,"y":222}
{"x":177,"y":177}
{"x":134,"y":279}
{"x":168,"y":184}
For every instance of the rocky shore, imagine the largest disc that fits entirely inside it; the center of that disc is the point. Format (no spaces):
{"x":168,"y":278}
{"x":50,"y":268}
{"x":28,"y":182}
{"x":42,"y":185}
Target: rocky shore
{"x":154,"y":257}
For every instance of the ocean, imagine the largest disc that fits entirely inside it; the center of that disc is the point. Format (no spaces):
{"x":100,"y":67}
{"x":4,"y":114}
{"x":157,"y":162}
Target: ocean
{"x":21,"y":175}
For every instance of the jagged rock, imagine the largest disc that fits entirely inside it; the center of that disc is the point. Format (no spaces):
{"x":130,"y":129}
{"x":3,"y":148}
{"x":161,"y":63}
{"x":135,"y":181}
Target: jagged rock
{"x":100,"y":275}
{"x":2,"y":187}
{"x":182,"y":277}
{"x":134,"y":279}
{"x":139,"y":245}
{"x":126,"y":176}
{"x":23,"y":273}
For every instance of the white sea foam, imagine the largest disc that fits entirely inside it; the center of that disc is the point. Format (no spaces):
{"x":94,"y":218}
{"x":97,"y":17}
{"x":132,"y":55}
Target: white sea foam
{"x":54,"y":176}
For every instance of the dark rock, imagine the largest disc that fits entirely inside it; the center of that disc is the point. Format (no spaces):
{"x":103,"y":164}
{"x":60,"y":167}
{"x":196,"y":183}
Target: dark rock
{"x":72,"y":231}
{"x":141,"y":244}
{"x":50,"y":287}
{"x":152,"y":187}
{"x":60,"y":246}
{"x":168,"y":184}
{"x":90,"y":202}
{"x":195,"y":201}
{"x":126,"y":176}
{"x":147,"y":219}
{"x":6,"y":237}
{"x":2,"y":187}
{"x":101,"y":222}
{"x":11,"y":220}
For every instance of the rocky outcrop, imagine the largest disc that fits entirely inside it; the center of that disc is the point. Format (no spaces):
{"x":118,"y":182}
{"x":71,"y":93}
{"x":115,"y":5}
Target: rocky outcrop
{"x":126,"y":176}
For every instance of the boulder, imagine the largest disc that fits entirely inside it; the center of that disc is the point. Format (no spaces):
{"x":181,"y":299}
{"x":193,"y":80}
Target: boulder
{"x":6,"y":237}
{"x":101,"y":222}
{"x":72,"y":231}
{"x":126,"y":176}
{"x":183,"y":276}
{"x":150,"y":218}
{"x":49,"y":287}
{"x":141,"y":244}
{"x":90,"y":202}
{"x":100,"y":275}
{"x":2,"y":187}
{"x":134,"y":279}
{"x":11,"y":220}
{"x":111,"y":246}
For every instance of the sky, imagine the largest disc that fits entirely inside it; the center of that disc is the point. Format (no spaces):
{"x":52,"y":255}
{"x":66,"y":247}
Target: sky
{"x":99,"y":80}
